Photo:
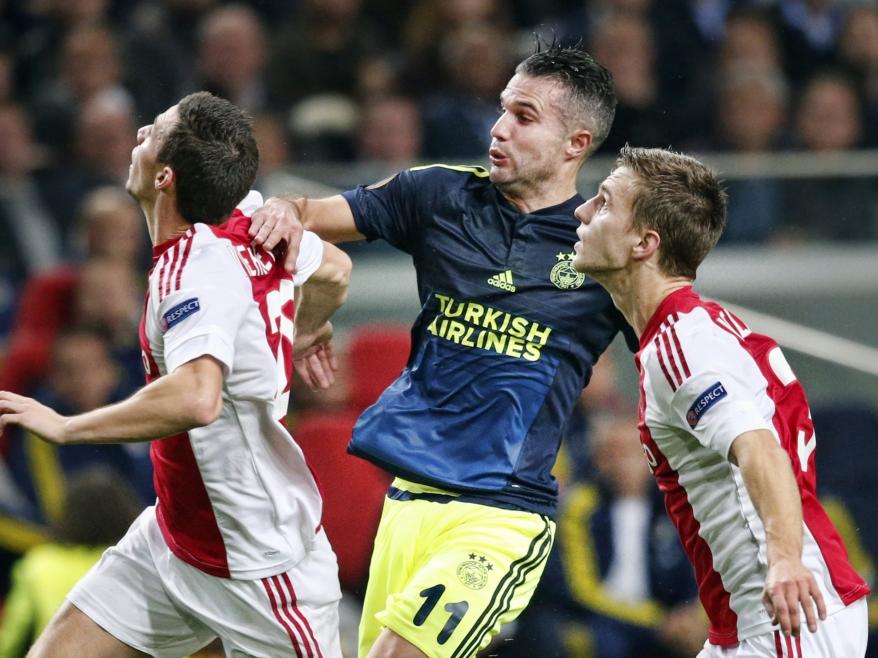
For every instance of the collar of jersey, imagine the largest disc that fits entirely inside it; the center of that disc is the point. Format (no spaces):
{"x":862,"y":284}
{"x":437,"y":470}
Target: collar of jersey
{"x":563,"y":208}
{"x":162,"y":247}
{"x":672,"y":302}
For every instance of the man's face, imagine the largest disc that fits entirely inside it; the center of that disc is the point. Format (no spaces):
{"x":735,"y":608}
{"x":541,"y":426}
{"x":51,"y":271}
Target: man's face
{"x":529,"y":138}
{"x":606,"y":234}
{"x":144,"y":156}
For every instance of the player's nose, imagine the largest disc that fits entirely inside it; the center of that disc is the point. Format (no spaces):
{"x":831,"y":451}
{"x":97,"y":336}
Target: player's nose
{"x":582,"y":212}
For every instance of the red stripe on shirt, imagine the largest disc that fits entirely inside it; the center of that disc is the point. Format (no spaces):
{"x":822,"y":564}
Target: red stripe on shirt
{"x":680,"y":354}
{"x":778,"y":645}
{"x":172,"y":261}
{"x":189,"y":242}
{"x":669,"y":351}
{"x":661,"y":360}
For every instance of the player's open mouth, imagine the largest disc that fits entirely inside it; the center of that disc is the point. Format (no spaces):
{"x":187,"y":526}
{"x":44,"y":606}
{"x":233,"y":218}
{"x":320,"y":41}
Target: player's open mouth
{"x":497,"y":157}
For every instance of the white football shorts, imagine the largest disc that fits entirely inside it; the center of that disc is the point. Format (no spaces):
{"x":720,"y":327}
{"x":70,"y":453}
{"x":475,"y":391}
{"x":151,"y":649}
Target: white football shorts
{"x":841,"y":635}
{"x":146,"y":597}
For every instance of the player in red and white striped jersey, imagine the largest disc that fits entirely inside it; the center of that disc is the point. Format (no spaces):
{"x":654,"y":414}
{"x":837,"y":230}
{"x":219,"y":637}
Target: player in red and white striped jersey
{"x":233,"y":547}
{"x":724,"y":423}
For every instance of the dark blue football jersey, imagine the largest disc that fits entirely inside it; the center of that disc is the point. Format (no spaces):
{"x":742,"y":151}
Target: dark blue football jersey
{"x":504,"y":343}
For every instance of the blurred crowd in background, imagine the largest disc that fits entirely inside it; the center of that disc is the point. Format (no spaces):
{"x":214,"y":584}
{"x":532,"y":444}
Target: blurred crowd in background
{"x":394,"y":82}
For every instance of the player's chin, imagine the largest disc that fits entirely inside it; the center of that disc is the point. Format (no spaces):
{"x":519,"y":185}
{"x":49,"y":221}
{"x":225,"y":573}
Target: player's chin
{"x":580,"y":264}
{"x":499,"y":174}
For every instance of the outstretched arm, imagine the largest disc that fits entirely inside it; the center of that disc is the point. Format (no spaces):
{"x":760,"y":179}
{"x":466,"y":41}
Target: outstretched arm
{"x":769,"y":479}
{"x":189,"y":397}
{"x":320,"y":296}
{"x":283,"y":219}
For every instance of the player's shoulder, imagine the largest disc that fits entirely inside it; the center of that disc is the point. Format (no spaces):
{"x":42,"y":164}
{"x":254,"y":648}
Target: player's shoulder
{"x":448,"y":176}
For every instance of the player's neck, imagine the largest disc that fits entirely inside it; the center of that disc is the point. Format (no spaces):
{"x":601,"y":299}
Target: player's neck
{"x":638,"y":294}
{"x":538,"y":195}
{"x":163,"y":219}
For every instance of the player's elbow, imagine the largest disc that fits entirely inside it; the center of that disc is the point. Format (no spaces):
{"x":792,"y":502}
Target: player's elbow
{"x":205,"y":407}
{"x":339,"y":266}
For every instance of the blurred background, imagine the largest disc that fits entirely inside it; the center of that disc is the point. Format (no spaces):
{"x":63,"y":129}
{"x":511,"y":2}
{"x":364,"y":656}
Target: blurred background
{"x":780,"y":96}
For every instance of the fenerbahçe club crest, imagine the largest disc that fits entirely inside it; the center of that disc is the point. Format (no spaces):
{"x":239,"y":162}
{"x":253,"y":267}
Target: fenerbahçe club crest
{"x":563,"y":275}
{"x":474,"y":572}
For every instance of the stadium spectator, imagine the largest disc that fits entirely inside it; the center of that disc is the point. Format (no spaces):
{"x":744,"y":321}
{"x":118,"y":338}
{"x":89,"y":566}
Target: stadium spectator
{"x":752,"y":115}
{"x":829,"y":119}
{"x":318,"y":50}
{"x":749,"y":43}
{"x":106,"y":299}
{"x":90,"y":64}
{"x":160,"y":41}
{"x":458,"y":116}
{"x":858,"y":55}
{"x":103,"y":139}
{"x":29,"y":237}
{"x":232,"y":56}
{"x":809,"y":31}
{"x":428,"y":26}
{"x":97,"y":509}
{"x":81,"y":377}
{"x":109,"y":226}
{"x":625,"y":44}
{"x":390,"y":131}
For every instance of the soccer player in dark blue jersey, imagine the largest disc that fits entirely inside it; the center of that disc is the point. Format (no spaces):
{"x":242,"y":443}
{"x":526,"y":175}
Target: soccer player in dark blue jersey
{"x":504,"y":343}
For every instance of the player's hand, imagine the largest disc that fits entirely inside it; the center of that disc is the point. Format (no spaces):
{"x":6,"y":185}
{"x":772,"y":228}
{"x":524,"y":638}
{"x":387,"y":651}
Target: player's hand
{"x":277,"y":224}
{"x":315,"y":361}
{"x":789,"y":586}
{"x":32,"y":416}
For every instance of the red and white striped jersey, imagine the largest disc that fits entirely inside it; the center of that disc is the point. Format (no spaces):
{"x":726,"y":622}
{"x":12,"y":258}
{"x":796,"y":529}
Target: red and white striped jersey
{"x":235,"y":498}
{"x":705,"y":379}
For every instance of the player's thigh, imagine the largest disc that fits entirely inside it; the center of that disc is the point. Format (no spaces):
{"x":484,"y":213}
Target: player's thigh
{"x":478,"y":570}
{"x":72,"y":632}
{"x":287,"y":614}
{"x":125,"y":594}
{"x":841,"y":635}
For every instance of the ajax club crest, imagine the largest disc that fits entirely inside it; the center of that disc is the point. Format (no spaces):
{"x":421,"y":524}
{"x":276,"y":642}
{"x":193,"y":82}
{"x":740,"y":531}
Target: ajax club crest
{"x":474,"y":571}
{"x":563,"y":275}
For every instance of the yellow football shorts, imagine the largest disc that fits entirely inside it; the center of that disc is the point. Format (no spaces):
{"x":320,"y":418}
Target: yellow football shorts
{"x":447,"y":575}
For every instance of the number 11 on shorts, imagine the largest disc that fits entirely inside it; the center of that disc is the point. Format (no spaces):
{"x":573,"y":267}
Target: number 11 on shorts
{"x":456,"y":611}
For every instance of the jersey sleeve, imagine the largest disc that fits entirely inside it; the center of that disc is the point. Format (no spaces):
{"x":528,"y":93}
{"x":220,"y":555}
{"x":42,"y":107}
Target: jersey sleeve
{"x":201,"y":317}
{"x":386,"y":210}
{"x":709,"y":386}
{"x":310,"y":257}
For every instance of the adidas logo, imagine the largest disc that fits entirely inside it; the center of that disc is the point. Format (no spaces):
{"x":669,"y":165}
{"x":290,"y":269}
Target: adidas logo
{"x":503,"y":280}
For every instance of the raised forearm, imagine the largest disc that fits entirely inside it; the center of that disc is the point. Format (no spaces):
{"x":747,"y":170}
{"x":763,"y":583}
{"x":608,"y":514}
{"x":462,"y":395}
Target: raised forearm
{"x":330,"y":218}
{"x":324,"y":292}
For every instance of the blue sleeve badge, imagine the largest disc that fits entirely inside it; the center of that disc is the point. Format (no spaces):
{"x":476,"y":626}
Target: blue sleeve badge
{"x":704,"y":402}
{"x":179,"y":313}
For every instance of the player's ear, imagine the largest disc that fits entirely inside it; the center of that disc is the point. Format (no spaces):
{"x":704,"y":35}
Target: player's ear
{"x":579,"y":143}
{"x":649,"y":244}
{"x":165,"y":178}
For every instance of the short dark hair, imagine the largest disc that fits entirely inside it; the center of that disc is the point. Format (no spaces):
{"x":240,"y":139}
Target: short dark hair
{"x":213,"y":153}
{"x":588,"y":83}
{"x":682,"y":200}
